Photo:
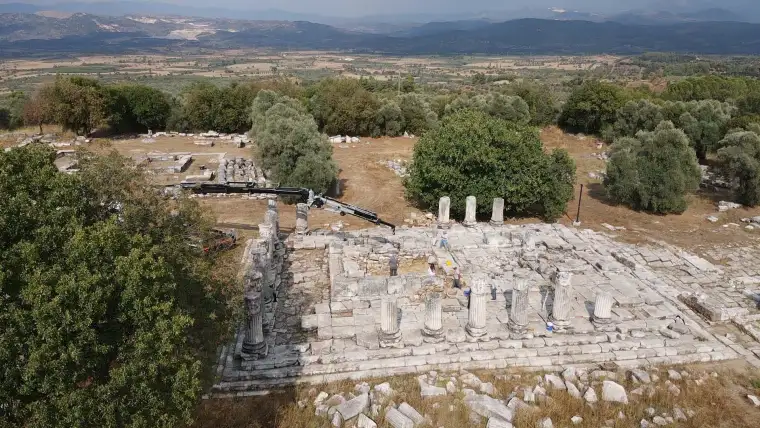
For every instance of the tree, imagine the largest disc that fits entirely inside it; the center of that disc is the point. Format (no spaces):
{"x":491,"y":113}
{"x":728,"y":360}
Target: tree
{"x":343,"y":106}
{"x":739,"y":159}
{"x":289,"y":144}
{"x":37,"y":110}
{"x":13,"y":107}
{"x":508,"y":107}
{"x":138,"y":108}
{"x":591,"y":106}
{"x":418,"y":116}
{"x":108,"y":316}
{"x":471,"y":153}
{"x":207,"y":107}
{"x":389,"y":120}
{"x":541,"y":103}
{"x":704,"y":122}
{"x":77,"y":104}
{"x":655,"y":171}
{"x":635,"y":116}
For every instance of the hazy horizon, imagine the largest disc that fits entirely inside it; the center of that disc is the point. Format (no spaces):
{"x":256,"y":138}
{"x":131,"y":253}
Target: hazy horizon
{"x":357,"y":8}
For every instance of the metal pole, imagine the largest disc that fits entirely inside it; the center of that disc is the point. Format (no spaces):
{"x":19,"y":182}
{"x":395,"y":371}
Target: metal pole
{"x":580,"y":198}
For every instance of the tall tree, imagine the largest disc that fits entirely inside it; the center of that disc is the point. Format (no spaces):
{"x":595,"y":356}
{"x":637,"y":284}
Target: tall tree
{"x":107,"y":315}
{"x":591,"y":107}
{"x":739,"y":158}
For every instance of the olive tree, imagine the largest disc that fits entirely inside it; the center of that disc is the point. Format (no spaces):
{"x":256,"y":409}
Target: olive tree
{"x":739,"y":158}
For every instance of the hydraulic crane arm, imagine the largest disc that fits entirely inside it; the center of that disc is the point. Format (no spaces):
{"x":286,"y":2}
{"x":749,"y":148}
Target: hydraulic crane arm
{"x":304,"y":195}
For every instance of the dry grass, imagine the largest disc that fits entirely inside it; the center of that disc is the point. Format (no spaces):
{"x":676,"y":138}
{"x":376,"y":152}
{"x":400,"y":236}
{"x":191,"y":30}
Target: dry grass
{"x":719,"y":403}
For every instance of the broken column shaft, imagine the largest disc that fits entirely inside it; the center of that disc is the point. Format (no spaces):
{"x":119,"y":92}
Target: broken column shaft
{"x":444,"y":207}
{"x":254,"y":346}
{"x":563,"y":299}
{"x":470,"y":212}
{"x":390,"y":334}
{"x":302,"y":219}
{"x":518,"y":314}
{"x":497,"y":216}
{"x":479,"y":294}
{"x":603,"y":309}
{"x":433,"y":330}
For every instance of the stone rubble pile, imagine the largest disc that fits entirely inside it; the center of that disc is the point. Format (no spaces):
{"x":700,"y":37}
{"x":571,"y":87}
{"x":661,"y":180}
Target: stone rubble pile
{"x":49,"y":139}
{"x":208,"y":139}
{"x":398,"y":166}
{"x":240,"y":170}
{"x":338,"y":139}
{"x":713,"y":179}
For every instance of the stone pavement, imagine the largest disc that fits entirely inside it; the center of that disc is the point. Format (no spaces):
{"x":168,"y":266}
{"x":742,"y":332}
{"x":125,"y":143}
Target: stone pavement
{"x":654,"y":305}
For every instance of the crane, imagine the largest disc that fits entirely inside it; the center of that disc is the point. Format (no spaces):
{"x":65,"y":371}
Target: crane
{"x":303,"y":195}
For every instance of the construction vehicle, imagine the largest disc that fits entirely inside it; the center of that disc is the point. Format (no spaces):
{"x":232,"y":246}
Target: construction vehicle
{"x":302,"y":195}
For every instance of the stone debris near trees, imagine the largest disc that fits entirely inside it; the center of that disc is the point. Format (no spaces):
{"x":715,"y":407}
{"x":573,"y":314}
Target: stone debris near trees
{"x":399,"y":167}
{"x":344,"y":139}
{"x":338,"y":315}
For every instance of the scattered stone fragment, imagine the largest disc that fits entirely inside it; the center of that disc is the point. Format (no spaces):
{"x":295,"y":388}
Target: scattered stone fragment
{"x":337,"y":420}
{"x":498,"y":423}
{"x":691,"y":413}
{"x":451,"y":388}
{"x":353,"y":407}
{"x":679,"y":327}
{"x":384,"y":389}
{"x":487,"y":407}
{"x":430,"y":390}
{"x":621,"y":415}
{"x":576,"y":420}
{"x":555,"y":381}
{"x":641,"y":375}
{"x":321,"y":398}
{"x":321,"y":410}
{"x":651,"y":411}
{"x":644,"y":423}
{"x":614,"y":392}
{"x":411,"y":413}
{"x":397,"y":419}
{"x":546,"y":423}
{"x":678,"y":414}
{"x":362,"y":388}
{"x":712,"y":219}
{"x":470,"y":380}
{"x":572,"y":389}
{"x":755,"y":401}
{"x":674,"y":375}
{"x":365,"y":422}
{"x":487,"y":388}
{"x":570,"y":374}
{"x":335,"y":400}
{"x":674,"y":389}
{"x":590,"y":395}
{"x":516,"y":404}
{"x":659,"y":420}
{"x":670,"y":334}
{"x":529,"y":396}
{"x":603,"y":374}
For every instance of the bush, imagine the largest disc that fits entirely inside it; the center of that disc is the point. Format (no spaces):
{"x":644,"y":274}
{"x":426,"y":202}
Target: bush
{"x":343,"y":106}
{"x":739,"y":158}
{"x":417,"y":114}
{"x":289,"y":145}
{"x":471,"y":153}
{"x":138,"y":108}
{"x":591,"y":106}
{"x":655,"y":171}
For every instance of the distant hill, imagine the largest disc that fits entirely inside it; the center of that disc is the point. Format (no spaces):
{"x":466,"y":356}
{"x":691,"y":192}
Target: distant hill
{"x":26,"y":34}
{"x":663,"y":17}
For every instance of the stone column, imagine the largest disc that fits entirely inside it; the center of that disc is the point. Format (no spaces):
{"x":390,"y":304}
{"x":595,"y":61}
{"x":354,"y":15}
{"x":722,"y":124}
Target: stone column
{"x":390,"y":334}
{"x":518,"y":313}
{"x":444,"y":206}
{"x":470,"y":212}
{"x":264,"y":265}
{"x":274,"y":216}
{"x":603,"y":310}
{"x":529,"y":251}
{"x":479,"y":294}
{"x":563,"y":299}
{"x":497,"y":216}
{"x":254,"y":346}
{"x":302,"y":219}
{"x":433,"y":331}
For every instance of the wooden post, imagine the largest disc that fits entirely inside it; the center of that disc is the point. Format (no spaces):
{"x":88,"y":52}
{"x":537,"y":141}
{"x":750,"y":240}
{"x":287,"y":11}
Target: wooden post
{"x":580,"y":198}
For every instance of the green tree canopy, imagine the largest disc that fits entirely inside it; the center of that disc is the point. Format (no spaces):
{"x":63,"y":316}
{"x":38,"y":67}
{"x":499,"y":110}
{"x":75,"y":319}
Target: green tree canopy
{"x":542,"y":107}
{"x":138,"y":108}
{"x":591,"y":106}
{"x":635,"y":116}
{"x":739,"y":158}
{"x":418,"y":116}
{"x":471,"y":153}
{"x":344,"y":107}
{"x":107,"y":316}
{"x":207,"y":107}
{"x":289,"y":144}
{"x":77,"y":104}
{"x":655,"y":171}
{"x":704,"y":122}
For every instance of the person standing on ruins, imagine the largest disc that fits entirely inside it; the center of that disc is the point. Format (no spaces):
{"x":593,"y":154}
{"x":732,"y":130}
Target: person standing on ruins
{"x":445,"y":240}
{"x":457,"y":277}
{"x":393,"y":264}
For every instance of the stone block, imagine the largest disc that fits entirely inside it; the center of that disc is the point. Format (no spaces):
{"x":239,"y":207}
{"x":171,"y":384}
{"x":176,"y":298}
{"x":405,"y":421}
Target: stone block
{"x":353,"y":407}
{"x":411,"y":413}
{"x":396,"y":419}
{"x":368,"y":340}
{"x":343,"y":332}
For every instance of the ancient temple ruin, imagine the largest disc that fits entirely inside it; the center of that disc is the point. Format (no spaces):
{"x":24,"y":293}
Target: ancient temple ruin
{"x":321,"y":306}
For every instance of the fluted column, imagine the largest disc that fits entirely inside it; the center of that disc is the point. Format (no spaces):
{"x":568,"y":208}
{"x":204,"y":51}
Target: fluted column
{"x":497,"y":216}
{"x":563,"y":299}
{"x":518,"y":313}
{"x":470,"y":212}
{"x":444,"y":207}
{"x":603,"y":310}
{"x":433,"y":330}
{"x":302,"y":219}
{"x":479,"y":294}
{"x":390,"y":334}
{"x":254,"y":346}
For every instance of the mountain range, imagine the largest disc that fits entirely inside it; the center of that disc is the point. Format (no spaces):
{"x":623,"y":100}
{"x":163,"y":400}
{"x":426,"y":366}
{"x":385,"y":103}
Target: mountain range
{"x":24,"y":34}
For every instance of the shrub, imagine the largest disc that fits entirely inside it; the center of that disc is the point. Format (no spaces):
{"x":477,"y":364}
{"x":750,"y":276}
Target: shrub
{"x":655,"y":171}
{"x":740,"y":160}
{"x":591,"y":106}
{"x":471,"y":153}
